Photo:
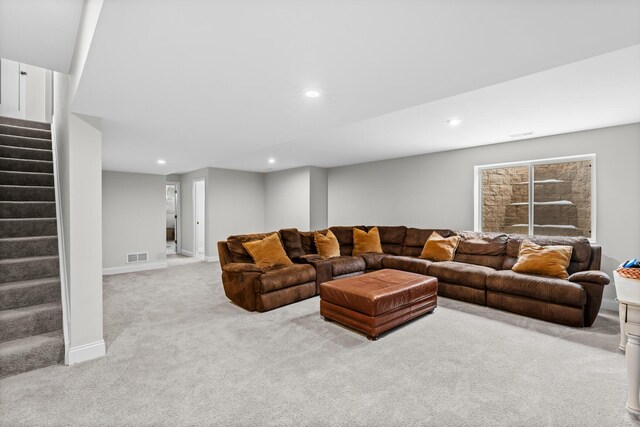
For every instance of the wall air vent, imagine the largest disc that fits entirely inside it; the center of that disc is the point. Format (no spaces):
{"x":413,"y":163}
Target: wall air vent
{"x":138,"y":257}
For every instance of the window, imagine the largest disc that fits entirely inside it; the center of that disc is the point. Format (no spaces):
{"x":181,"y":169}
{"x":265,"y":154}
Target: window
{"x":544,"y":197}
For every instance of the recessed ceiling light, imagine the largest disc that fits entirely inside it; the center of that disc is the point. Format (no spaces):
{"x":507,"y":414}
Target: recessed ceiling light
{"x":271,"y":160}
{"x":454,"y":122}
{"x":312,"y":93}
{"x":161,"y":162}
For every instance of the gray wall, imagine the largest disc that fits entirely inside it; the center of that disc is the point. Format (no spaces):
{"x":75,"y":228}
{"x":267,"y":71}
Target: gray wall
{"x":234,"y":205}
{"x":287,"y":195}
{"x":318,"y":201}
{"x":436,"y":190}
{"x":133,"y":219}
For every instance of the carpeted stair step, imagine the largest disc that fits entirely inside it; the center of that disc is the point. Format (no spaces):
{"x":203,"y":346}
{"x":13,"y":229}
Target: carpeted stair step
{"x":18,"y":269}
{"x":23,"y":141}
{"x":26,"y":178}
{"x":24,"y":193}
{"x":27,"y":210}
{"x":24,"y":247}
{"x":24,"y":165}
{"x":24,"y":123}
{"x":31,"y":353}
{"x":9,"y":152}
{"x":27,"y":227}
{"x":29,"y":292}
{"x":24,"y":131}
{"x":33,"y":320}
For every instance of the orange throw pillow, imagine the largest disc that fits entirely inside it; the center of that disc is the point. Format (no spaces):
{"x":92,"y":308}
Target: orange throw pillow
{"x":364,"y":242}
{"x":438,"y":248}
{"x":267,"y":252}
{"x":543,"y":260}
{"x":327,"y":245}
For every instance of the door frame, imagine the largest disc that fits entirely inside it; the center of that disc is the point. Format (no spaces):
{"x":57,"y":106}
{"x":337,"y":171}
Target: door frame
{"x":195,"y":228}
{"x":178,"y":236}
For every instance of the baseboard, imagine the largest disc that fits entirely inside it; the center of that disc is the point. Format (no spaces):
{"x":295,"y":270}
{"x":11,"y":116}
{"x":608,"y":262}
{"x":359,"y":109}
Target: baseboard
{"x":186,"y":252}
{"x":211,"y":259}
{"x":133,"y":268}
{"x":86,"y":352}
{"x":609,"y":305}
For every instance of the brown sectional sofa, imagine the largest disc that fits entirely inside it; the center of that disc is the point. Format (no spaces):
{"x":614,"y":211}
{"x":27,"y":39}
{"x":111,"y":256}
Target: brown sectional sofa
{"x":480,"y":272}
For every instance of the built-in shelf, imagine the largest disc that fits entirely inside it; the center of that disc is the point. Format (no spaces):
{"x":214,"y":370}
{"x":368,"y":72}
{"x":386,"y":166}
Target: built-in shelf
{"x":553,"y":203}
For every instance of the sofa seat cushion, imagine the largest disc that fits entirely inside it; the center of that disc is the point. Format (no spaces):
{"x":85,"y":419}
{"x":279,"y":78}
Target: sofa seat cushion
{"x":405,"y":263}
{"x":286,"y":276}
{"x":471,"y":275}
{"x":346,"y":265}
{"x":551,"y":289}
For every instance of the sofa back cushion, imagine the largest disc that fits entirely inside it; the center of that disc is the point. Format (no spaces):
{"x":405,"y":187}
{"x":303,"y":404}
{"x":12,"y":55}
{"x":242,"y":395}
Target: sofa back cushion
{"x":292,"y":242}
{"x":580,"y":256}
{"x":344,"y":234}
{"x":238,"y":252}
{"x":391,"y":238}
{"x":307,"y":238}
{"x":416,"y":238}
{"x":487,"y":249}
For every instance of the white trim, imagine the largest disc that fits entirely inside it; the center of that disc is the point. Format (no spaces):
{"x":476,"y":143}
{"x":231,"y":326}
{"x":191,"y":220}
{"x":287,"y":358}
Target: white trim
{"x":186,"y":253}
{"x":62,"y":257}
{"x":477,"y":193}
{"x":86,"y":352}
{"x":610,"y":305}
{"x":211,"y":258}
{"x":133,"y":268}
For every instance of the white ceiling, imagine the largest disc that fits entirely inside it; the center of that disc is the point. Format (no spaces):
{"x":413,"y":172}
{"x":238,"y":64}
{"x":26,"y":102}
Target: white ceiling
{"x":40,"y":32}
{"x":220,"y":83}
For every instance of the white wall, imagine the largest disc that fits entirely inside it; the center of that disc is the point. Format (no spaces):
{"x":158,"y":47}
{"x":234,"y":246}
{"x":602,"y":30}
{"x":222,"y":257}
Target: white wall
{"x":133,"y":220}
{"x":436,"y":190}
{"x":79,"y":162}
{"x":287,"y":199}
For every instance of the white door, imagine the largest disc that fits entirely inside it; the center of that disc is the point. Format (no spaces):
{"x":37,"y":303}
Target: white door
{"x":25,"y":91}
{"x":199,"y":218}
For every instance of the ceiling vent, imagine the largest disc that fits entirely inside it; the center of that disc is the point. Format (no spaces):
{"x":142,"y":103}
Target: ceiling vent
{"x":520,"y":135}
{"x":138,"y":257}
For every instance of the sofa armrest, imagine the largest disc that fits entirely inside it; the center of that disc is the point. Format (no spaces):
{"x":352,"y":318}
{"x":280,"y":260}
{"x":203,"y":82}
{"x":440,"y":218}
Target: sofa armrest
{"x":310,"y":257}
{"x":591,"y":276}
{"x":242,"y":267}
{"x":324,"y":271}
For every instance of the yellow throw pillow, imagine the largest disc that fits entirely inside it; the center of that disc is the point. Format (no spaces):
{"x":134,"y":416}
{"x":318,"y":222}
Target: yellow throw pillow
{"x":327,"y":245}
{"x":543,"y":260}
{"x":364,"y":242}
{"x":267,"y":252}
{"x":438,"y":248}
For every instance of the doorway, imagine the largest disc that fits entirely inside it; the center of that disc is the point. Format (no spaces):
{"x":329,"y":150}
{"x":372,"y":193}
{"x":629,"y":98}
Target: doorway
{"x":199,"y":218}
{"x":172,"y":217}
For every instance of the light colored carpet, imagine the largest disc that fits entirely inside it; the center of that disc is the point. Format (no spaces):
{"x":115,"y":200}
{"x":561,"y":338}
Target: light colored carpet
{"x":178,"y":353}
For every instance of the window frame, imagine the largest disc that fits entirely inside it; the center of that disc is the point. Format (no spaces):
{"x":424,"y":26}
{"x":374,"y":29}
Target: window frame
{"x":477,"y":193}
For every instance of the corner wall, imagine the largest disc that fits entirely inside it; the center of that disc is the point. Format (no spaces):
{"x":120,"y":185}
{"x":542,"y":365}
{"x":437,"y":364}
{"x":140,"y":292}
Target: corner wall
{"x":437,"y":190}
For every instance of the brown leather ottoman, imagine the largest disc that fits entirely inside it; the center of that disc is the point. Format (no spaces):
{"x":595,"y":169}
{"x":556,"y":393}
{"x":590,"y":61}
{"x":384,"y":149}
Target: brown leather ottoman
{"x":378,"y":301}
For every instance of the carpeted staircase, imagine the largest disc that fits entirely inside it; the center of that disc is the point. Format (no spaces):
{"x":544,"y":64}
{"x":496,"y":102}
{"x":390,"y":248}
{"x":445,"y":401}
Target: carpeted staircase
{"x":30,"y":304}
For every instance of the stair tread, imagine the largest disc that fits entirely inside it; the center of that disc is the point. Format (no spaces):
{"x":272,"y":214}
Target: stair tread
{"x":30,"y":342}
{"x":24,"y":148}
{"x":28,"y":172}
{"x":26,"y":137}
{"x":16,"y":313}
{"x":28,"y":238}
{"x":26,"y":186}
{"x":28,"y":259}
{"x":31,"y":282}
{"x":29,"y":124}
{"x":27,"y":219}
{"x":24,"y":160}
